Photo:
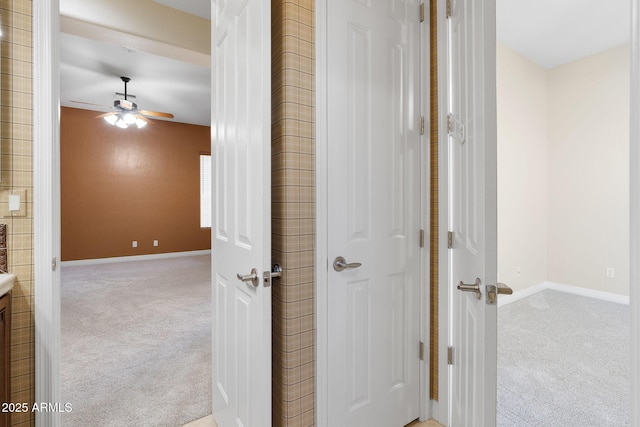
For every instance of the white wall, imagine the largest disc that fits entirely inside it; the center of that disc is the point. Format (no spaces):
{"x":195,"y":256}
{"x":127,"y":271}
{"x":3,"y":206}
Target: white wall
{"x":522,"y":170}
{"x":589,"y":171}
{"x":563,"y":171}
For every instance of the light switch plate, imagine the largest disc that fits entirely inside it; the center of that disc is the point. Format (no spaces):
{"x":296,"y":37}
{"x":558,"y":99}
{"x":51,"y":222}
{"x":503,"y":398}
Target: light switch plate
{"x":4,"y":203}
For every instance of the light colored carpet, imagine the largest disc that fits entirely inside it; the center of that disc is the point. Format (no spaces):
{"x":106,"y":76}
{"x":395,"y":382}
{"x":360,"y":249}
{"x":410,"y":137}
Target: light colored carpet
{"x":563,"y":360}
{"x":136,"y":342}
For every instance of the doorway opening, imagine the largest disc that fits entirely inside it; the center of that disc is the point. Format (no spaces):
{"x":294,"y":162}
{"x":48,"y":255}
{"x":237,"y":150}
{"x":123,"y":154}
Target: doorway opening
{"x":563,"y":213}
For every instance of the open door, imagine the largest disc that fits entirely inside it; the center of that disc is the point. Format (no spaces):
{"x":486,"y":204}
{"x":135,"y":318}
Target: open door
{"x":241,"y":223}
{"x":472,"y":211}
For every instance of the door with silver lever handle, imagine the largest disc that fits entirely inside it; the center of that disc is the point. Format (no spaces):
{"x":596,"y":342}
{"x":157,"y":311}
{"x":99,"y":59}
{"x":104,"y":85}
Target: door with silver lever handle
{"x":340,"y":264}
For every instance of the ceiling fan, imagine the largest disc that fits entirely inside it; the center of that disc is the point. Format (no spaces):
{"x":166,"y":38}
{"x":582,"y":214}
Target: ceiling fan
{"x":127,"y":112}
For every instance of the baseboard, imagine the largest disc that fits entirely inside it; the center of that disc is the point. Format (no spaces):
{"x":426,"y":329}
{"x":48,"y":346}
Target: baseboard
{"x":591,"y":293}
{"x":134,"y":258}
{"x":435,"y":413}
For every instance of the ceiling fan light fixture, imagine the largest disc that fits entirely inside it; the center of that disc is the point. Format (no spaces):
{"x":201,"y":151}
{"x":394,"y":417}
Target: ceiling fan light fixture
{"x":129,"y":118}
{"x":140,"y":123}
{"x":121,"y":123}
{"x":111,"y":119}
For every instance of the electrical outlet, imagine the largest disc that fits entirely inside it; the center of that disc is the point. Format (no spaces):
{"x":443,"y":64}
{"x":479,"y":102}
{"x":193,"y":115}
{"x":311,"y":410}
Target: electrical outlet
{"x":134,"y":244}
{"x":155,"y":243}
{"x":611,"y":273}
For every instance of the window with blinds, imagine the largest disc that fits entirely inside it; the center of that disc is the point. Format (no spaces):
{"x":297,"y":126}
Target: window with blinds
{"x":205,"y":190}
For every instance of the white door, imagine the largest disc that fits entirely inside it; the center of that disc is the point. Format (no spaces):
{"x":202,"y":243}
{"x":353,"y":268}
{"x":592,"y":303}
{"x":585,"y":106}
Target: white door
{"x":241,"y":223}
{"x":374,"y":208}
{"x":472,"y":210}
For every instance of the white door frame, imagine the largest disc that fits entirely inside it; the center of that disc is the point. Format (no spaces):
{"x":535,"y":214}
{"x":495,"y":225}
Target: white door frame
{"x":46,"y":204}
{"x":634,"y":258}
{"x":322,"y":297}
{"x":47,"y":207}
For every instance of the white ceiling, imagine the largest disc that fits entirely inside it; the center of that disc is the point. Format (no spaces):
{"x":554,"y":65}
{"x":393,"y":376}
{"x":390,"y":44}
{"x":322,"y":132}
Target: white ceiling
{"x":90,"y":71}
{"x":549,"y":32}
{"x":201,"y":8}
{"x":554,"y":32}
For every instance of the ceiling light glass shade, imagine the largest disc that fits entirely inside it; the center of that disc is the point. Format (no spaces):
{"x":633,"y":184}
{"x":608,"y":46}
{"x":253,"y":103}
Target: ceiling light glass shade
{"x":121,"y":123}
{"x":124,"y":120}
{"x":129,"y":119}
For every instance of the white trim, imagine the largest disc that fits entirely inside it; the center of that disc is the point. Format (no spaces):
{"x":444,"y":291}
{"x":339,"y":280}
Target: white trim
{"x":590,"y":293}
{"x":634,"y":214}
{"x":134,"y":258}
{"x":46,"y":206}
{"x":322,"y":297}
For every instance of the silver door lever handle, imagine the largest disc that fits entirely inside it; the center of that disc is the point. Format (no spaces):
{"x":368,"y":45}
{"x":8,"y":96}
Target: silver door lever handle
{"x":475,"y":288}
{"x":340,"y":264}
{"x":251,"y":277}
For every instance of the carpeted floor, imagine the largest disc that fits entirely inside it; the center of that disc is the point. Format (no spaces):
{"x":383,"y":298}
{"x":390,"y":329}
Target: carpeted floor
{"x":563,"y":360}
{"x":136,"y":342}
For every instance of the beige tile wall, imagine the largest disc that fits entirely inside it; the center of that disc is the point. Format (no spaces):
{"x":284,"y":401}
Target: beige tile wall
{"x":17,"y":171}
{"x":293,"y":211}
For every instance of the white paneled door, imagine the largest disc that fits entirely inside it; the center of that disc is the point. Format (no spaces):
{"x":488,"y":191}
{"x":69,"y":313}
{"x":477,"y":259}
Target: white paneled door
{"x":472,"y":211}
{"x":241,"y":224}
{"x":373,"y":80}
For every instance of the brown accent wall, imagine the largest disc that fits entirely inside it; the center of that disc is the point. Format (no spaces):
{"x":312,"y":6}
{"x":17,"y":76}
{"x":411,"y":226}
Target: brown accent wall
{"x":120,"y":185}
{"x":293,"y":211}
{"x":16,"y":123}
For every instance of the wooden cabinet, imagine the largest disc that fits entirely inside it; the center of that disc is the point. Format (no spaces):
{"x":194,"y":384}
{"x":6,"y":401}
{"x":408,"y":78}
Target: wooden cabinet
{"x":5,"y":355}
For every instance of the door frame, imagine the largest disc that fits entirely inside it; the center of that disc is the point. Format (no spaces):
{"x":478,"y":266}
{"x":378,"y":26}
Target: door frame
{"x":46,"y":205}
{"x":634,"y":207}
{"x":322,"y":215}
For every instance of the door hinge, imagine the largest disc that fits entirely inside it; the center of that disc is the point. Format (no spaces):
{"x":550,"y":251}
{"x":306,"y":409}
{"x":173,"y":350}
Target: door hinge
{"x":448,"y":8}
{"x":450,"y":355}
{"x":449,"y":239}
{"x":421,"y":12}
{"x":455,"y":128}
{"x":421,"y":125}
{"x":422,"y":238}
{"x":421,"y":350}
{"x":54,"y":264}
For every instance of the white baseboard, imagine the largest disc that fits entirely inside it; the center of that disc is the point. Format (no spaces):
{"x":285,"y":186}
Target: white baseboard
{"x":435,"y":413}
{"x":591,"y":293}
{"x":134,"y":258}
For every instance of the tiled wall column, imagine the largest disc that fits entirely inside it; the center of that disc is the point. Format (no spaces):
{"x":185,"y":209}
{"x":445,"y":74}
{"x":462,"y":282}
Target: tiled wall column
{"x":17,"y":143}
{"x":293,"y":212}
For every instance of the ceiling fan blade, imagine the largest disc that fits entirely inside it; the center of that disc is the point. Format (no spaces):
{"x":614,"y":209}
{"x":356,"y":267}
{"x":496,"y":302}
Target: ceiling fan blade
{"x":144,"y":119}
{"x":105,"y":115}
{"x":88,"y":103}
{"x":156,"y":114}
